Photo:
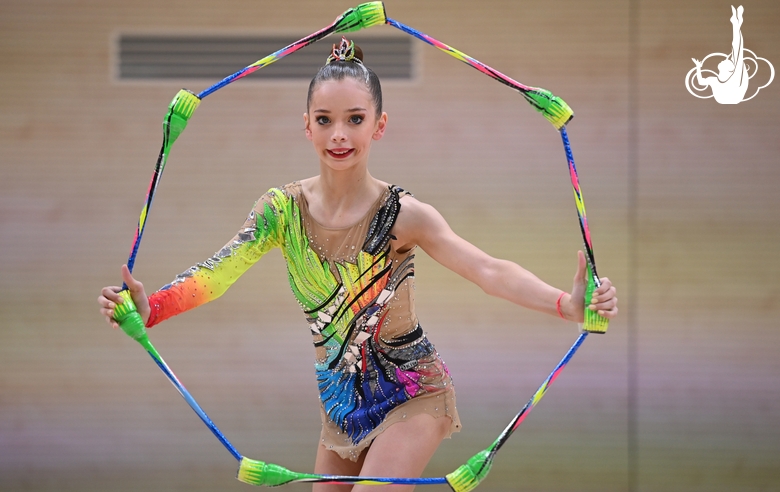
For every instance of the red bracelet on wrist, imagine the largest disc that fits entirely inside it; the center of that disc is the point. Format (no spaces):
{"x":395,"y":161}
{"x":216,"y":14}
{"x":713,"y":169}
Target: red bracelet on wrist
{"x":558,"y":305}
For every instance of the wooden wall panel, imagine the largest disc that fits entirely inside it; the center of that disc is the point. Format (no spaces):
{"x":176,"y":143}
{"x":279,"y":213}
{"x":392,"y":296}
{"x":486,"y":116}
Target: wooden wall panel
{"x":708,"y":294}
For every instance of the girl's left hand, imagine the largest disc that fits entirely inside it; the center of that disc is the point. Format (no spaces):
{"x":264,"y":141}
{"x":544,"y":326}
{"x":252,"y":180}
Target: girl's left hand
{"x":603,"y":301}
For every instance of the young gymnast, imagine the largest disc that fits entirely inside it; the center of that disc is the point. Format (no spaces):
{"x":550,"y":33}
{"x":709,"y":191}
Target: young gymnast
{"x":349,"y":240}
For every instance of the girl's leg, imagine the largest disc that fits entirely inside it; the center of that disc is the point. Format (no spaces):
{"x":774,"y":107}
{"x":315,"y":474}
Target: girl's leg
{"x":403,"y":450}
{"x":330,"y":463}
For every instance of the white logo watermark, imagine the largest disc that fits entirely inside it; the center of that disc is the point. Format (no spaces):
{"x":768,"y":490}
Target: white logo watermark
{"x":730,"y":84}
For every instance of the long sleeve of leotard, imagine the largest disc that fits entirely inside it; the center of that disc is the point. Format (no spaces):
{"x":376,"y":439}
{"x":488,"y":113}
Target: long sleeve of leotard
{"x":204,"y":282}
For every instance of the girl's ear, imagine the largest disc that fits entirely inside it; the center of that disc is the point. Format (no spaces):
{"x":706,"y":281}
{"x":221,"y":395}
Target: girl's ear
{"x":381,"y":124}
{"x":306,"y":127}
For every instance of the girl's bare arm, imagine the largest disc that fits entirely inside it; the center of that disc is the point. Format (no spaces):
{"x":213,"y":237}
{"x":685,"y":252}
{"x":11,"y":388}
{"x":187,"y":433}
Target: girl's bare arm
{"x":421,"y":224}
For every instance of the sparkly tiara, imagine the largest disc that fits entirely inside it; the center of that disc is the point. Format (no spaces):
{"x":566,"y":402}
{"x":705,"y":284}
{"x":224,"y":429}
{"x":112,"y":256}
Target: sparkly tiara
{"x":344,"y":51}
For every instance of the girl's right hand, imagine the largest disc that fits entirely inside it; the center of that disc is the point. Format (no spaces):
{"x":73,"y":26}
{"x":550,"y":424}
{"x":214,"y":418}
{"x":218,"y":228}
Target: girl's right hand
{"x":109,"y":298}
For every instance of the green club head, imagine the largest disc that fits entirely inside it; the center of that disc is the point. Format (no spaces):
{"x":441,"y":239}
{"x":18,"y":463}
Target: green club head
{"x":179,"y":112}
{"x":552,"y":107}
{"x":364,"y":15}
{"x":267,"y":474}
{"x":468,"y":476}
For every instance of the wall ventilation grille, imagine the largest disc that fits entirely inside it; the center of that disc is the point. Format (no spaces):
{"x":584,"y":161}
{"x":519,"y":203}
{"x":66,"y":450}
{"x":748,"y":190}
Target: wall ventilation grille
{"x":213,"y":57}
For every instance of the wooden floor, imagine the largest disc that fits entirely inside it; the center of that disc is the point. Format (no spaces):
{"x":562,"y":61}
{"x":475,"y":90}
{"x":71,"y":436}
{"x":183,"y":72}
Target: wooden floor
{"x":682,"y":393}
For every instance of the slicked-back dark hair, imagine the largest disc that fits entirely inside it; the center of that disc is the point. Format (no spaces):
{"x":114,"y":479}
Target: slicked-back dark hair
{"x":339,"y":70}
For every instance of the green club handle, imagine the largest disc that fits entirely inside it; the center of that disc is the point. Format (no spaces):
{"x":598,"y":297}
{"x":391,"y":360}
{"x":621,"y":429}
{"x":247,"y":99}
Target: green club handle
{"x":593,"y":322}
{"x":128,"y":318}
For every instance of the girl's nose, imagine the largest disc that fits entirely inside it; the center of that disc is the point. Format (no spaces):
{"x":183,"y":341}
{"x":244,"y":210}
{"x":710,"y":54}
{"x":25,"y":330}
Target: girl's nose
{"x":338,"y":134}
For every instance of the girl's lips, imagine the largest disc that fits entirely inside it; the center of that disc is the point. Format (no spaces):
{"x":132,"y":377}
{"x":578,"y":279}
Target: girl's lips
{"x":340,"y":153}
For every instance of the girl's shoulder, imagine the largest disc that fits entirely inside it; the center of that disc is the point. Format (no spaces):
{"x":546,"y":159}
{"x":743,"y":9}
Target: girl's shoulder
{"x":415,"y":218}
{"x":287,"y":191}
{"x":276,"y":200}
{"x":293,"y":189}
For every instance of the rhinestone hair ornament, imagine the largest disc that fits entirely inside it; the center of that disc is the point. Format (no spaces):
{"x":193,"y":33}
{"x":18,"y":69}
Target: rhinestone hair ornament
{"x":344,"y":51}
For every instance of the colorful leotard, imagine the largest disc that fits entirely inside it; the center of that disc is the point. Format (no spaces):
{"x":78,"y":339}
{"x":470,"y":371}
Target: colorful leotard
{"x":374,"y":364}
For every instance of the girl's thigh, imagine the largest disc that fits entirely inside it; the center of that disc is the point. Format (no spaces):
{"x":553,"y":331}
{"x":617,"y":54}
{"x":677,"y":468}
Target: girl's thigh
{"x":403,"y":450}
{"x":330,"y":463}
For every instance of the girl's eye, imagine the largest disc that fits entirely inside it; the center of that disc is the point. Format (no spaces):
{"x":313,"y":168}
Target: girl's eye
{"x":323,"y":120}
{"x":356,"y":119}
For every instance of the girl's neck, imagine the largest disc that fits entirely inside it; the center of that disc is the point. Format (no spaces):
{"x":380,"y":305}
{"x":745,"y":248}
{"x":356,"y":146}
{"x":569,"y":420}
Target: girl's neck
{"x":346,"y":186}
{"x":337,"y":198}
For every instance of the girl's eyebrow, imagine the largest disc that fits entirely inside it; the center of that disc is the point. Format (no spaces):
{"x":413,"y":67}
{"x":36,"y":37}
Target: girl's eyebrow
{"x":351,"y":110}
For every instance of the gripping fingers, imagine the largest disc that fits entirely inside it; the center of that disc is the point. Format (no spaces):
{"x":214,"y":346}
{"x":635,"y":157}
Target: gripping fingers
{"x":108,"y":299}
{"x":604,"y":292}
{"x":604,"y":300}
{"x":110,"y":320}
{"x":607,"y":309}
{"x":108,"y":312}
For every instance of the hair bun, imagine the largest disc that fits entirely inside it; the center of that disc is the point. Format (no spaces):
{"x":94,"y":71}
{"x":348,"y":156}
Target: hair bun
{"x":346,"y":51}
{"x":358,"y":53}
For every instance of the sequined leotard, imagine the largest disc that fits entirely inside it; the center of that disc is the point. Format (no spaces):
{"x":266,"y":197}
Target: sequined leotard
{"x":374,"y":364}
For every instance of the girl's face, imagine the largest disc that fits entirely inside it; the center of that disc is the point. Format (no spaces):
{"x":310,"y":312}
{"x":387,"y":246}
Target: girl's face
{"x":342,"y":122}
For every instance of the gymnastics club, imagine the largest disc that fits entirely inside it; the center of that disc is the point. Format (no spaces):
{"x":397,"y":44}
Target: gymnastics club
{"x":557,"y":112}
{"x":552,"y":107}
{"x":593,"y":322}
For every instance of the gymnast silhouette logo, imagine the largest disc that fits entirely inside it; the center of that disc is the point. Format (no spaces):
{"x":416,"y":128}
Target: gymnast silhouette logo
{"x":735,"y":70}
